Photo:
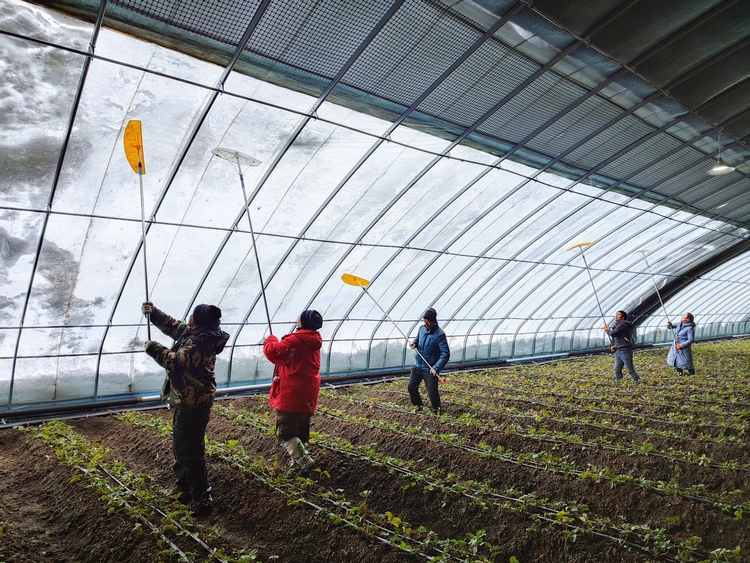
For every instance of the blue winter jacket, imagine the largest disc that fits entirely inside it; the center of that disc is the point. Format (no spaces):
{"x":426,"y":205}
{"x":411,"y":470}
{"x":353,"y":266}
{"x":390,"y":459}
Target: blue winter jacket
{"x":684,"y":335}
{"x":433,"y":345}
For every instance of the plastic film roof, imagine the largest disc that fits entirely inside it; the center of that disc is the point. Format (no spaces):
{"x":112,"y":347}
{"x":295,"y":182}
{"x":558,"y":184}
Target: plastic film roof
{"x":450,"y":155}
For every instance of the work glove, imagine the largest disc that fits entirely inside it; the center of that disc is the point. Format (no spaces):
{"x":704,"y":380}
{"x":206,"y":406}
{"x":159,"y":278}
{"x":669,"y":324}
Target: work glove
{"x":413,"y":345}
{"x":147,"y":308}
{"x":606,"y":328}
{"x":678,"y":346}
{"x":433,"y":371}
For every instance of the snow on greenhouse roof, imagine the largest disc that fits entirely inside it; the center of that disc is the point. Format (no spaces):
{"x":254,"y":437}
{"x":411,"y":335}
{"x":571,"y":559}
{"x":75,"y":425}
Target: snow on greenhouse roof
{"x":453,"y":173}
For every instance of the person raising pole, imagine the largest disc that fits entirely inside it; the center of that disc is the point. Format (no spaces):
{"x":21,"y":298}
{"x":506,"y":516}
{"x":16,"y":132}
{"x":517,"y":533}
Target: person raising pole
{"x":432,"y":353}
{"x":622,"y":345}
{"x":681,"y":353}
{"x":296,"y":385}
{"x":189,"y":387}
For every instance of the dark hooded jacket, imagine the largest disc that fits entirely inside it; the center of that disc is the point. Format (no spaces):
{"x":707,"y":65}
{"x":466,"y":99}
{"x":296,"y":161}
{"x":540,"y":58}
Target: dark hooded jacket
{"x":296,"y":380}
{"x":622,"y":335}
{"x":191,"y":380}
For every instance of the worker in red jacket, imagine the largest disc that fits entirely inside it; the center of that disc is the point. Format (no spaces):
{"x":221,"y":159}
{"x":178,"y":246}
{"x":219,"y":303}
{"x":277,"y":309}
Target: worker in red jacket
{"x":296,"y":384}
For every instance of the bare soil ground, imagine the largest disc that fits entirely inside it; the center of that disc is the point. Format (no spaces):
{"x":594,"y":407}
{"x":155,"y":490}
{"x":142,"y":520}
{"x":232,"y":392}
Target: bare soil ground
{"x":667,"y":461}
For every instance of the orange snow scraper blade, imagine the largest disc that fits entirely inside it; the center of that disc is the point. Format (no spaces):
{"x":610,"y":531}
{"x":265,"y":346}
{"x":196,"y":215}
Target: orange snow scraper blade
{"x":581,"y":245}
{"x":351,"y":279}
{"x":133,"y":141}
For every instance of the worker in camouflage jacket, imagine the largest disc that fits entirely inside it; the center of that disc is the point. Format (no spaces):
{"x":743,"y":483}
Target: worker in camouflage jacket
{"x":189,"y":387}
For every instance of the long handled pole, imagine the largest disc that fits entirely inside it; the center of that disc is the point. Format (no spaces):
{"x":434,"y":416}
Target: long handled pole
{"x":580,"y":247}
{"x":237,"y":158}
{"x":363,"y":283}
{"x":143,"y":242}
{"x":133,"y":141}
{"x":656,"y":287}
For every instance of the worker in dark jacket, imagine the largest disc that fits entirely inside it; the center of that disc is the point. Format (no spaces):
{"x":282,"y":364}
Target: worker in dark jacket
{"x":189,"y":387}
{"x":432,"y":353}
{"x":621,"y":336}
{"x":296,"y":385}
{"x":681,"y":353}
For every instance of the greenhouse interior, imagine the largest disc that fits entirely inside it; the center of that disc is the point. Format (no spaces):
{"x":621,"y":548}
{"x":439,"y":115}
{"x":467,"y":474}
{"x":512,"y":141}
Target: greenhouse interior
{"x":525,"y":169}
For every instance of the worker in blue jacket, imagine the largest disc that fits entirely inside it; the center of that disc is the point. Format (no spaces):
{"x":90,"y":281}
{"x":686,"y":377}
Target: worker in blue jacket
{"x":681,"y":353}
{"x":432,"y":353}
{"x":621,"y":336}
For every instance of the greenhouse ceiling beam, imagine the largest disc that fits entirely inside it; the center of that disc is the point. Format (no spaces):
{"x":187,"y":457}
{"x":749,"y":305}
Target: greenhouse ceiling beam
{"x":615,"y":76}
{"x":513,"y":149}
{"x":655,"y":236}
{"x":651,"y":302}
{"x":301,"y":124}
{"x":55,"y":181}
{"x":421,"y":174}
{"x":632,"y":65}
{"x":650,"y":188}
{"x":488,"y":34}
{"x":197,"y":124}
{"x":712,"y":300}
{"x":580,"y":231}
{"x":511,"y":259}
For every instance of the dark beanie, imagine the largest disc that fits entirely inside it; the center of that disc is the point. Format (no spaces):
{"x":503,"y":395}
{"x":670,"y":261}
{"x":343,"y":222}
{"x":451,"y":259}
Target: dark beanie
{"x":311,"y":319}
{"x":431,"y":315}
{"x":206,"y":315}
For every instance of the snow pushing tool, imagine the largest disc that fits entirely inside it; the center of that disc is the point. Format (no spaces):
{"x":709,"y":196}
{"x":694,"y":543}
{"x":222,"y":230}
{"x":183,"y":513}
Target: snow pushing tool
{"x":581,"y":246}
{"x":238,"y":160}
{"x":351,"y":279}
{"x":133,"y":141}
{"x":656,"y":287}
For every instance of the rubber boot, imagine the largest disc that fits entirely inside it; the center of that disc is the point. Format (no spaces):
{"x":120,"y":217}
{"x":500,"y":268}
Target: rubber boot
{"x":300,"y":458}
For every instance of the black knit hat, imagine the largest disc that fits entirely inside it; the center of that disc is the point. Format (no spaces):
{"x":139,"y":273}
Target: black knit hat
{"x":311,"y":319}
{"x":431,"y":315}
{"x":206,"y":315}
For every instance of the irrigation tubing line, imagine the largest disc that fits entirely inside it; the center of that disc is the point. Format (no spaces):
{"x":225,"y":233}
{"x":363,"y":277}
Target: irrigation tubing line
{"x":599,"y":411}
{"x":516,"y":500}
{"x":568,"y":421}
{"x":406,"y":472}
{"x":154,"y":529}
{"x":516,"y":461}
{"x":318,"y":508}
{"x":325,"y":444}
{"x":554,"y":440}
{"x":157,"y":510}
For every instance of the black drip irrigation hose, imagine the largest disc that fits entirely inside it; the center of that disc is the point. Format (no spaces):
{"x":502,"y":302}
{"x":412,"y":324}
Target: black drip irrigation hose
{"x":183,"y":556}
{"x":409,"y":473}
{"x":516,"y":461}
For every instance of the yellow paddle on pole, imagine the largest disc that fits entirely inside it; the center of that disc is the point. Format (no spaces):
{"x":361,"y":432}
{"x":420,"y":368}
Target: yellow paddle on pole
{"x":351,"y":279}
{"x":133,"y":141}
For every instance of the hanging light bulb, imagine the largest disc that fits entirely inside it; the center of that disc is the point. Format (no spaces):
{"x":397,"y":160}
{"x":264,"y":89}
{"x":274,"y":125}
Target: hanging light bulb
{"x":720,"y":167}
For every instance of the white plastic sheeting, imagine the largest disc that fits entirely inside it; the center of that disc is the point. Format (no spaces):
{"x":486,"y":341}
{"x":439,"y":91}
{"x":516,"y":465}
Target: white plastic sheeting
{"x":486,"y":245}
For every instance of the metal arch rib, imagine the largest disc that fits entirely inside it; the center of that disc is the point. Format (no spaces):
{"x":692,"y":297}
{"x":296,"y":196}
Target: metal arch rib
{"x":55,"y":181}
{"x":487,"y":35}
{"x":175,"y":168}
{"x":280,"y":154}
{"x":651,"y":303}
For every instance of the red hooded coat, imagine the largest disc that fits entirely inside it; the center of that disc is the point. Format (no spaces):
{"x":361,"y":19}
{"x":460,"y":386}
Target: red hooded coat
{"x":296,"y":380}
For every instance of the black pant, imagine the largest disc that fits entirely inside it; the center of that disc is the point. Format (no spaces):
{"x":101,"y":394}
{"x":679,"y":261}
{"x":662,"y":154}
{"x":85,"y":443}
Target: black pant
{"x":431,"y":381}
{"x":188,"y":445}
